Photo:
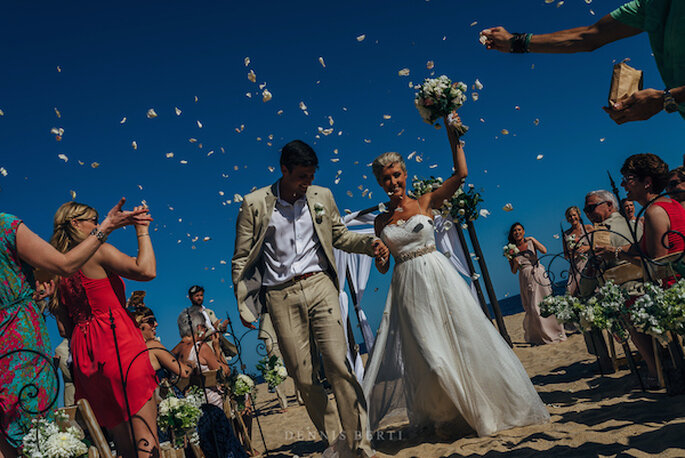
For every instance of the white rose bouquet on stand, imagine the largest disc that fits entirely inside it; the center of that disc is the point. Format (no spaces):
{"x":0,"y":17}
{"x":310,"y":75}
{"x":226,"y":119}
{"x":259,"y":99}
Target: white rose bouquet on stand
{"x":179,"y":416}
{"x":241,"y":387}
{"x":438,"y":98}
{"x":272,"y":370}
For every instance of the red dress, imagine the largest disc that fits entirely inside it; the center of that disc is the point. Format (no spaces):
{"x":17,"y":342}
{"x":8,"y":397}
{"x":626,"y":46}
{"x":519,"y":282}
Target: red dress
{"x":676,"y":243}
{"x":96,"y":371}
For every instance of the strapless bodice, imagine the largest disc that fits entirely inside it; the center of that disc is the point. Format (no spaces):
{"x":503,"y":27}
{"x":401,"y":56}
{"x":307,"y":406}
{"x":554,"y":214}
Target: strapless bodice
{"x":415,"y":235}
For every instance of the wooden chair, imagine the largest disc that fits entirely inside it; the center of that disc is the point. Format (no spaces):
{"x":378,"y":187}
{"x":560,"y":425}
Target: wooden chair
{"x":83,"y":415}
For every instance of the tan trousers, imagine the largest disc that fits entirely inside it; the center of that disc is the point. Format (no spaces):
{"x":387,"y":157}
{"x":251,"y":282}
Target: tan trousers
{"x":306,"y":317}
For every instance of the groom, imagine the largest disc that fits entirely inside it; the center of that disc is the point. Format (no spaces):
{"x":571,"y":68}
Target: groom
{"x":284,"y":264}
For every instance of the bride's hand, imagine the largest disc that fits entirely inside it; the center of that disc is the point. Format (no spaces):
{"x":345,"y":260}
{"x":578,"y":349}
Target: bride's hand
{"x":381,"y":252}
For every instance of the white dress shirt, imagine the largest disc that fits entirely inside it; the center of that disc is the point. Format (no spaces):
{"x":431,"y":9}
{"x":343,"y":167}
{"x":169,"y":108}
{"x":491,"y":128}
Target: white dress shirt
{"x":291,"y":246}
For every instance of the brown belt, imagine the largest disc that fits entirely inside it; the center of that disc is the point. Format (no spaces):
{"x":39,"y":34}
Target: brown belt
{"x":295,"y":279}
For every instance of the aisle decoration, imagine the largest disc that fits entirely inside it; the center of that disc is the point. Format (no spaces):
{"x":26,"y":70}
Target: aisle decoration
{"x":180,"y":416}
{"x":242,"y":386}
{"x":48,"y":439}
{"x":659,"y":311}
{"x":460,"y":208}
{"x":272,"y":370}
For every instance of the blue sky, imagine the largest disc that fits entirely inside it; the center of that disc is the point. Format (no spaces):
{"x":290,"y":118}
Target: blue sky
{"x":120,"y":59}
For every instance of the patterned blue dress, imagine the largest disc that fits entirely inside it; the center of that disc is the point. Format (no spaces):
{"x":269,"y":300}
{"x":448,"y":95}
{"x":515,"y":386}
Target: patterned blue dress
{"x":28,"y":381}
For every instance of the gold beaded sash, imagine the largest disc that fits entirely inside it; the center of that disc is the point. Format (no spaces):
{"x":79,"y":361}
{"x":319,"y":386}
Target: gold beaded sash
{"x":414,"y":254}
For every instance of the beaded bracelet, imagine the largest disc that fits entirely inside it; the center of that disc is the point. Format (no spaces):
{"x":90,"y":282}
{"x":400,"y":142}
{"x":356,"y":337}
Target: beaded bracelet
{"x":520,"y":42}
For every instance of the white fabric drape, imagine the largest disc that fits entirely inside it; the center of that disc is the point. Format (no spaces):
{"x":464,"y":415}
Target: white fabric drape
{"x":447,"y":241}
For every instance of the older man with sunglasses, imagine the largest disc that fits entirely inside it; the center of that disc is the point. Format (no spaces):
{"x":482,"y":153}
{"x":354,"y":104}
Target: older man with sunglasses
{"x":601,"y":207}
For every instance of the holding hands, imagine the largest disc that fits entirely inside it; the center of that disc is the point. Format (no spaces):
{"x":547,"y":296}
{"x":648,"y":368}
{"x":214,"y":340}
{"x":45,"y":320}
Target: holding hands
{"x":381,"y":252}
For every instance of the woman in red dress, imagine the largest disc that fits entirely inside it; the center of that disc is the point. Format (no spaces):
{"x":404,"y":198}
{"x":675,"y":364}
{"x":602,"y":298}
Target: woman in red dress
{"x":644,"y":177}
{"x":87,"y":303}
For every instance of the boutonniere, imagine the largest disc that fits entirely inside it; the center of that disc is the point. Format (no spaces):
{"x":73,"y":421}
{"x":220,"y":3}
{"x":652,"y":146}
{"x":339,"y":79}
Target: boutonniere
{"x":319,"y":212}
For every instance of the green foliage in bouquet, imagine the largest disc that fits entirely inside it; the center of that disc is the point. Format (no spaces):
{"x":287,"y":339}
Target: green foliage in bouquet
{"x":46,"y":439}
{"x":461,"y":207}
{"x":272,"y":370}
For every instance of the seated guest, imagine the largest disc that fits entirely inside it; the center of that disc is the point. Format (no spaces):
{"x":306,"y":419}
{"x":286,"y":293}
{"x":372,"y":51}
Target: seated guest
{"x":576,"y":245}
{"x":644,"y":178}
{"x":601,"y":207}
{"x":636,"y":224}
{"x":200,"y":357}
{"x":676,"y":185}
{"x":162,"y":361}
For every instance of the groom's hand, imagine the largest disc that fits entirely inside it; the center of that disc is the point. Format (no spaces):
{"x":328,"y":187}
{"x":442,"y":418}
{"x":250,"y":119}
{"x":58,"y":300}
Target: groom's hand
{"x":380,"y":251}
{"x":247,"y":324}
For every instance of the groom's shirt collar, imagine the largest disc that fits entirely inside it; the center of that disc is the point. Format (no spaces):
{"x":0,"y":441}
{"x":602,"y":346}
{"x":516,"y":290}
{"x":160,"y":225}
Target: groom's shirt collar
{"x":291,"y":246}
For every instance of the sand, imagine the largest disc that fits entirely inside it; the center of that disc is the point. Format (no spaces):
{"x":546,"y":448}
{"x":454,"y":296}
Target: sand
{"x":591,"y":415}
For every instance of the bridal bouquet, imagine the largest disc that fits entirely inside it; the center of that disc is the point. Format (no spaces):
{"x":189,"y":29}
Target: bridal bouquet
{"x":439,"y":97}
{"x":510,"y":251}
{"x":46,"y":439}
{"x":659,"y":311}
{"x":273,"y":370}
{"x":179,"y":416}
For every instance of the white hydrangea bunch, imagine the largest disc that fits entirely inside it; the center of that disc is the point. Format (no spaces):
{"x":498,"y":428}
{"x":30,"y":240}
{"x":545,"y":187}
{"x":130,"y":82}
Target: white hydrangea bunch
{"x":659,"y":311}
{"x":566,"y":308}
{"x":65,"y":445}
{"x":46,"y":440}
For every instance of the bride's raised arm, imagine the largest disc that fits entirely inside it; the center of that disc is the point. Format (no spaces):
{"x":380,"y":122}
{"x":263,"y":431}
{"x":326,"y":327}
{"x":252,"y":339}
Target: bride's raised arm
{"x":450,"y":186}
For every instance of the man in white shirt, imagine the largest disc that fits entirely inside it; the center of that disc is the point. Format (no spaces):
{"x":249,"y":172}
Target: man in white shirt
{"x":284,"y":262}
{"x":216,"y":327}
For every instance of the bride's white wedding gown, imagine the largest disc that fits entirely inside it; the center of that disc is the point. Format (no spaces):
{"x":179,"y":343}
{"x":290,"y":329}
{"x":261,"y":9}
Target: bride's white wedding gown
{"x":437,"y":358}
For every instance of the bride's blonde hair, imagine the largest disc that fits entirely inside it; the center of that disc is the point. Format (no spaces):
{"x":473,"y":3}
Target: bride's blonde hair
{"x":385,"y":160}
{"x":64,"y":235}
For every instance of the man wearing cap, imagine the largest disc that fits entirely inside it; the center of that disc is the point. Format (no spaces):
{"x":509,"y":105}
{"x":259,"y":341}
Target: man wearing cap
{"x":284,"y":262}
{"x":196,"y":294}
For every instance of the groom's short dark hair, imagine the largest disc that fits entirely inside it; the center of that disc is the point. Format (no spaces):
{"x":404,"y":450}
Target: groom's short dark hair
{"x":298,"y":152}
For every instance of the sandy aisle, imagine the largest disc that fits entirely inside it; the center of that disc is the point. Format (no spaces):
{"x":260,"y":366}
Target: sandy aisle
{"x":591,"y":415}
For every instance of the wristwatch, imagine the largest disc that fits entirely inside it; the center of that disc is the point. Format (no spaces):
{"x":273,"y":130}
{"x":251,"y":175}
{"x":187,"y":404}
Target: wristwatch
{"x":670,"y":105}
{"x":101,"y":236}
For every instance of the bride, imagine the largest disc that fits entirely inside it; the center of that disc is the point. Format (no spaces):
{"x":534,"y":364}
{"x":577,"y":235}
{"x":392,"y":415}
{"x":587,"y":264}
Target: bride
{"x":437,"y":359}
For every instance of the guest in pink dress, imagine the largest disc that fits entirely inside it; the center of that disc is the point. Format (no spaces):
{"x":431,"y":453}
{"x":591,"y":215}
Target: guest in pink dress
{"x":535,"y":286}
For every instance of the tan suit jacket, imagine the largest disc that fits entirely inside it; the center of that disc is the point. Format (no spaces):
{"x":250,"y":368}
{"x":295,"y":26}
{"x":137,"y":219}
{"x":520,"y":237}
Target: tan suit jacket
{"x":253,"y":220}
